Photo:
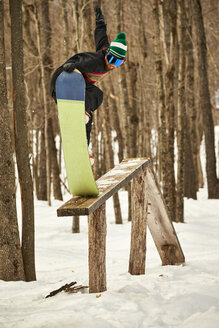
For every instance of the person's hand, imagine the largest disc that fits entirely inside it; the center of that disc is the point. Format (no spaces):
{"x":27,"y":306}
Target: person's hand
{"x":99,"y":14}
{"x":68,"y":67}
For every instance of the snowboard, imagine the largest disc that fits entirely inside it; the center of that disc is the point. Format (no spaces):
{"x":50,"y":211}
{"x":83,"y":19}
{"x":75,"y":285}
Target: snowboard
{"x":70,"y":93}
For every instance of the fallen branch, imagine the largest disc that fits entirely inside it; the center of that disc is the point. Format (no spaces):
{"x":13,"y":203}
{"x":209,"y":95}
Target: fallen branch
{"x":54,"y":292}
{"x":75,"y":289}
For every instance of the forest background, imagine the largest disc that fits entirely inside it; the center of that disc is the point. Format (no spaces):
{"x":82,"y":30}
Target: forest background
{"x":160,"y":104}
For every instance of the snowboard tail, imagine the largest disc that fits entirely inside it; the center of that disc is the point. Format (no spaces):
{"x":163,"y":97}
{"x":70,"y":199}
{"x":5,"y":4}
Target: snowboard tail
{"x":70,"y":92}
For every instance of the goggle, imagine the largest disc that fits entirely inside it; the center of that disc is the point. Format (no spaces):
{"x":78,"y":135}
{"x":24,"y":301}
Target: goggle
{"x":114,"y":60}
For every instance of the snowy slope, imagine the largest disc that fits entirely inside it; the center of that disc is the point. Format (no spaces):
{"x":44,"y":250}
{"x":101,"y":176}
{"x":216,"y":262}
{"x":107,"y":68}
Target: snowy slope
{"x":172,"y":296}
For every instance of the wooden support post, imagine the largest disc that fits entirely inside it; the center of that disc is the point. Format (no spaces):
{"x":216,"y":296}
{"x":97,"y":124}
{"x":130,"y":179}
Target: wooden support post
{"x":160,"y":225}
{"x":139,"y":226}
{"x":76,"y":224}
{"x":97,"y":250}
{"x":168,"y":254}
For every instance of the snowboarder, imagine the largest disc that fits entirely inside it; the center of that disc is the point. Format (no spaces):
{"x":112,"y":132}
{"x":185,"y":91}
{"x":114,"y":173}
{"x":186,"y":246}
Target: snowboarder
{"x":94,"y":66}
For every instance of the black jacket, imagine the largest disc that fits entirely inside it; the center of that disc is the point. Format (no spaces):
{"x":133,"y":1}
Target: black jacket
{"x":89,"y":62}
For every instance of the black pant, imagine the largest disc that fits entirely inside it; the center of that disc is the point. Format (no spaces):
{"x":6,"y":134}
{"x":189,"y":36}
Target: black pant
{"x":89,"y":127}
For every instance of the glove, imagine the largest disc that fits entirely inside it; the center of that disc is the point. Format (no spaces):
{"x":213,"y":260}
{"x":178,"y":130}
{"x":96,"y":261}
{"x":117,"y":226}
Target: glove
{"x":68,"y":67}
{"x":99,"y":14}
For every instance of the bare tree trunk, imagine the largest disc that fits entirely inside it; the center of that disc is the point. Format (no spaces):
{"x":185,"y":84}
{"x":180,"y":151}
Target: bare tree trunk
{"x":77,"y":43}
{"x":110,"y":157}
{"x":205,"y":102}
{"x":162,"y":152}
{"x":134,"y":120}
{"x":142,"y":120}
{"x":54,"y":163}
{"x":45,"y":106}
{"x":21,"y":141}
{"x":35,"y":163}
{"x":95,"y":148}
{"x":42,"y":186}
{"x":66,"y":29}
{"x":40,"y":169}
{"x":181,"y":114}
{"x":189,"y":168}
{"x":45,"y":44}
{"x":199,"y":165}
{"x":11,"y":262}
{"x":190,"y":172}
{"x":170,"y":196}
{"x":190,"y":96}
{"x":60,"y":154}
{"x":116,"y":120}
{"x":124,"y":106}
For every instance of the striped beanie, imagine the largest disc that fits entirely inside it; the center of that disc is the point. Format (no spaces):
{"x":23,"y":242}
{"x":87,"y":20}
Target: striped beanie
{"x":118,"y":47}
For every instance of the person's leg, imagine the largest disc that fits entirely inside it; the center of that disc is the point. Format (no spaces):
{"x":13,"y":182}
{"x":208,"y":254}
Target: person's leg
{"x":89,"y":127}
{"x":88,"y":131}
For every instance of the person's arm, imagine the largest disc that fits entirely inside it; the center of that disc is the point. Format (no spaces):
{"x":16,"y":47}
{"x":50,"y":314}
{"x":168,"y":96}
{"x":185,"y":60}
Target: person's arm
{"x":84,"y":62}
{"x":100,"y":36}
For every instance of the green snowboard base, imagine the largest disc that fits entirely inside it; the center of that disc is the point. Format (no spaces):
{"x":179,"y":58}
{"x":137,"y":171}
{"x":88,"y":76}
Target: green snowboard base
{"x":70,"y":90}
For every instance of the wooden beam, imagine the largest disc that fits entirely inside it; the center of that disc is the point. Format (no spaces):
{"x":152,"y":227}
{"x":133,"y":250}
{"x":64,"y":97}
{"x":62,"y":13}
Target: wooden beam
{"x":139,"y":225}
{"x":97,"y":250}
{"x":160,"y":225}
{"x":108,"y":184}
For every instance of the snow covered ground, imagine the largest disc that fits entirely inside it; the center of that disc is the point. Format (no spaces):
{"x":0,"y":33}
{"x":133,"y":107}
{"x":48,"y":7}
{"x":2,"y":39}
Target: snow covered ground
{"x":165,"y":297}
{"x":171,"y":296}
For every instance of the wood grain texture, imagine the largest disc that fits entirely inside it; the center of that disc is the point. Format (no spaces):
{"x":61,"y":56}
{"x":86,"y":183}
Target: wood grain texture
{"x":160,"y":225}
{"x":139,"y":226}
{"x":97,"y":250}
{"x":108,"y":184}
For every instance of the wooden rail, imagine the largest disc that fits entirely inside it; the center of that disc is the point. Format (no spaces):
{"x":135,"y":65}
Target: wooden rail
{"x":148,"y":208}
{"x":107,"y":185}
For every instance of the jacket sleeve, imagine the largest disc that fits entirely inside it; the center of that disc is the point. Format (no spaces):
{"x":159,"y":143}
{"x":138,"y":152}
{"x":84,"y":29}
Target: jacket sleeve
{"x":84,"y":62}
{"x":100,"y":36}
